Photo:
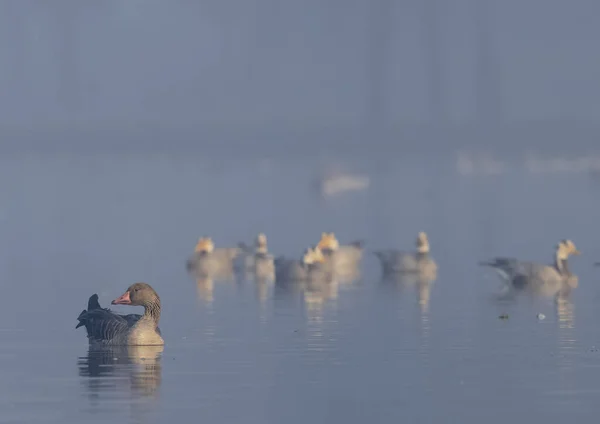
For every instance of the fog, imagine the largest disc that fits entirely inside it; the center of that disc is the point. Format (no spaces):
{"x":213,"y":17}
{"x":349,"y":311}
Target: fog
{"x":397,"y":70}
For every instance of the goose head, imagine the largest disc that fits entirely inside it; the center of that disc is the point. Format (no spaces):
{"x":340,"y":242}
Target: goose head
{"x":260,"y":243}
{"x":138,"y":294}
{"x":571,"y":248}
{"x":566,"y":248}
{"x":422,"y":243}
{"x":308,"y":258}
{"x":204,"y":245}
{"x":328,"y":242}
{"x":317,"y":255}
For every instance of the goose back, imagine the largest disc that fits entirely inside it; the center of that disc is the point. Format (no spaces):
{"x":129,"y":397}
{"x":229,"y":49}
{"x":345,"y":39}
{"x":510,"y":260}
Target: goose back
{"x":103,"y":326}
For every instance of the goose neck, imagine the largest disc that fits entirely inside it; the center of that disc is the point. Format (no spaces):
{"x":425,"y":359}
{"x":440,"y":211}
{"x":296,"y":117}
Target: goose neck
{"x":152,"y":312}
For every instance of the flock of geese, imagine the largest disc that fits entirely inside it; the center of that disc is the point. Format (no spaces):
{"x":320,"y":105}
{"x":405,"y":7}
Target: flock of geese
{"x":325,"y":262}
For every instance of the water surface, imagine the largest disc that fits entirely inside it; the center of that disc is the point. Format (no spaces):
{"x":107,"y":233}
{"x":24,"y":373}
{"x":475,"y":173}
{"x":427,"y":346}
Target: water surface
{"x":74,"y":225}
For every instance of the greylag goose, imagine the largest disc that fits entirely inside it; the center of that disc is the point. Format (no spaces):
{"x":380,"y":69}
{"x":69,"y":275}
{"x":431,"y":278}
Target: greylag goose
{"x":209,"y":261}
{"x":307,"y":269}
{"x":340,"y":259}
{"x":257,"y":261}
{"x":419,"y":262}
{"x":106,"y":328}
{"x":536,"y":277}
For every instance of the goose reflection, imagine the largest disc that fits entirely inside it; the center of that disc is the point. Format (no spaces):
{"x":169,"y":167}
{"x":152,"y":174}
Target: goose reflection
{"x":205,"y":288}
{"x":137,"y":368}
{"x":565,"y":312}
{"x":263,"y":288}
{"x":567,"y":342}
{"x":318,"y":294}
{"x":420,"y":283}
{"x":314,"y":295}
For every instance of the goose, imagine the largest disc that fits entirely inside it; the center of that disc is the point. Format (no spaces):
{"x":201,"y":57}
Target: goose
{"x":257,"y":261}
{"x":340,"y":259}
{"x":535,"y":277}
{"x":208,"y":261}
{"x":105,"y":328}
{"x":419,"y":262}
{"x":307,"y":269}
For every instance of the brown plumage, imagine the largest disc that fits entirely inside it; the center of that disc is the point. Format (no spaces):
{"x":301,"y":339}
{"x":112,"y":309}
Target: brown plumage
{"x":104,"y":327}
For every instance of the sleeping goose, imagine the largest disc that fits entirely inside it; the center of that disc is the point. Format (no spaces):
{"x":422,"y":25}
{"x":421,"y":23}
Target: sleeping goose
{"x":535,"y":277}
{"x":106,"y":328}
{"x":257,"y":262}
{"x":340,"y":259}
{"x":420,"y":262}
{"x":209,"y":261}
{"x":309,"y":268}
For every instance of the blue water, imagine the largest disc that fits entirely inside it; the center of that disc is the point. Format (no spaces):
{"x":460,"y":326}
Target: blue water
{"x":367,"y":351}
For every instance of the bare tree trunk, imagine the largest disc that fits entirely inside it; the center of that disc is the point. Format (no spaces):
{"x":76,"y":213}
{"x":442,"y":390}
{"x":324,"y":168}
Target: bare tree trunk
{"x":489,"y":108}
{"x":430,"y":24}
{"x":379,"y":40}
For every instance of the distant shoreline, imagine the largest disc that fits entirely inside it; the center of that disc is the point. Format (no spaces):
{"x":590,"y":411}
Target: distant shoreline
{"x":551,"y":138}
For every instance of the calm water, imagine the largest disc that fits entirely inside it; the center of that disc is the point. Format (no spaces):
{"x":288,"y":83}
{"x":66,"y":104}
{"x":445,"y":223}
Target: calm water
{"x":237,"y":352}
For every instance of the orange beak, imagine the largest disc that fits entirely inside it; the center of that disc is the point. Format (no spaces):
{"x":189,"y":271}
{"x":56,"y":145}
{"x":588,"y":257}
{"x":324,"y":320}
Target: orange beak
{"x":123,"y":300}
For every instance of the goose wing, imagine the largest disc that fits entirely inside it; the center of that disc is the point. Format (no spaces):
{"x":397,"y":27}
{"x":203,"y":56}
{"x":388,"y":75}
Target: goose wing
{"x":102,"y":324}
{"x":508,"y":268}
{"x":523,"y":273}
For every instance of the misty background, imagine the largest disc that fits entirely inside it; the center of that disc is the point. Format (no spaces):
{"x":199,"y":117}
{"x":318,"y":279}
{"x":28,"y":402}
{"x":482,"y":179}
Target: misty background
{"x":371,"y":72}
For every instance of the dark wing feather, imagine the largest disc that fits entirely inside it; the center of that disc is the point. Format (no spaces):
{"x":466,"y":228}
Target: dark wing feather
{"x":102,"y":324}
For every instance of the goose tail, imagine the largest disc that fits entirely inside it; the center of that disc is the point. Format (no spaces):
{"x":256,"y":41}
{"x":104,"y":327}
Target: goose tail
{"x":358,"y":243}
{"x":379,"y":254}
{"x":81,"y":319}
{"x":244,"y":247}
{"x":92,"y":304}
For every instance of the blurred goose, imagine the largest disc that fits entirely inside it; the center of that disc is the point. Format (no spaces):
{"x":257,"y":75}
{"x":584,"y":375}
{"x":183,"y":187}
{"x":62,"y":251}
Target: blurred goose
{"x":209,"y":261}
{"x":106,"y":328}
{"x":257,"y":261}
{"x":536,"y":277}
{"x":335,"y":182}
{"x":340,"y":258}
{"x":309,"y":268}
{"x":420,"y":262}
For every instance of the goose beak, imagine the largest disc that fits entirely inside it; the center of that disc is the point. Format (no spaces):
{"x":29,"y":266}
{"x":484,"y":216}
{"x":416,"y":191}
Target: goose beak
{"x":123,"y":300}
{"x":577,"y":252}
